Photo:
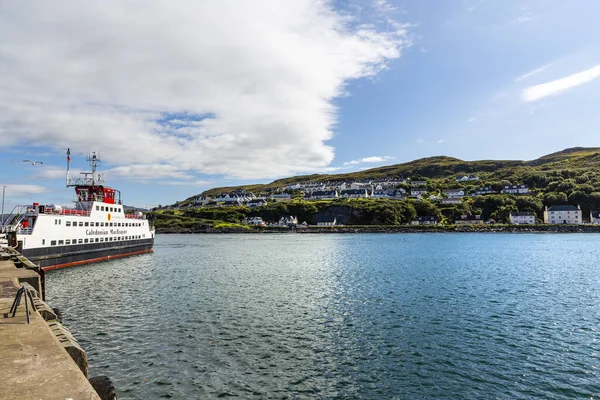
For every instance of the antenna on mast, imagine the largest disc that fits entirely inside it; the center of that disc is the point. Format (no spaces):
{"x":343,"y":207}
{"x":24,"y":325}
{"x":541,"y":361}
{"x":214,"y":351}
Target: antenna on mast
{"x":94,"y":162}
{"x":68,"y":164}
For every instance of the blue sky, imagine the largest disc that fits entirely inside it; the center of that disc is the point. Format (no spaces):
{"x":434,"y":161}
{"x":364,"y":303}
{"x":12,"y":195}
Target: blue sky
{"x":181,"y":98}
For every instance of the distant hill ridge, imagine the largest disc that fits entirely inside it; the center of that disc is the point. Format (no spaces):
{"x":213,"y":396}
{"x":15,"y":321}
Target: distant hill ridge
{"x":583,"y":159}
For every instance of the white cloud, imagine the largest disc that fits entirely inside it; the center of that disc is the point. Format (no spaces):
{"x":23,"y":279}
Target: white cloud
{"x":531,"y":73}
{"x":51,"y":172}
{"x":239,"y":88}
{"x":373,"y":160}
{"x":558,"y":86}
{"x":22,"y":190}
{"x":440,"y":141}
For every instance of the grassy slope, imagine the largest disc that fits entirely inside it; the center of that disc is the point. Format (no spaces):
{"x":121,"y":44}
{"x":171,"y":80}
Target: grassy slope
{"x":443,"y":169}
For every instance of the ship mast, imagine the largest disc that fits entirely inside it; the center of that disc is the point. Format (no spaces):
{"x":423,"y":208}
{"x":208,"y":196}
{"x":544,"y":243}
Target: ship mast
{"x":90,"y":178}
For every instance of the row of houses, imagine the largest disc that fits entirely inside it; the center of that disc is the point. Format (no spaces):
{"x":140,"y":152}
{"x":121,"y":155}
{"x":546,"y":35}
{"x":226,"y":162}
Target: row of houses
{"x":558,"y":214}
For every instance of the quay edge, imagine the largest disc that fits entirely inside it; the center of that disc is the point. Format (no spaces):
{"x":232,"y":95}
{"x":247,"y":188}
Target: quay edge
{"x":40,"y":359}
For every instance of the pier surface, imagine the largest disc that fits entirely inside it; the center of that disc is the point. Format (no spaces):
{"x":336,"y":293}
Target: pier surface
{"x":34,"y":362}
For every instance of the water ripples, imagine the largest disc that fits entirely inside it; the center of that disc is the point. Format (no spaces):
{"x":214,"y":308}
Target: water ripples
{"x":419,"y":316}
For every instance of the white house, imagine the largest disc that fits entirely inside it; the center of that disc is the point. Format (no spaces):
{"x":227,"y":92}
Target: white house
{"x":201,"y":201}
{"x":327,"y":221}
{"x":480,"y":191}
{"x":281,"y":196}
{"x":466,"y":178}
{"x":424,"y":220}
{"x":417,"y":192}
{"x":468,"y":219}
{"x":322,"y":195}
{"x":595,"y":217}
{"x":255,"y":221}
{"x":515,"y":189}
{"x":354,"y":193}
{"x":397,"y":194}
{"x":290,"y":221}
{"x":450,"y":200}
{"x":563,"y":214}
{"x":380,"y":194}
{"x":358,"y":185}
{"x":522,"y":217}
{"x":256,"y":203}
{"x":454,"y":193}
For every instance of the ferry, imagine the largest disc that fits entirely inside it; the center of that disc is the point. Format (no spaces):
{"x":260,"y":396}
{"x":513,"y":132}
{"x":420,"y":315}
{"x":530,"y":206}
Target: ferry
{"x":96,"y":228}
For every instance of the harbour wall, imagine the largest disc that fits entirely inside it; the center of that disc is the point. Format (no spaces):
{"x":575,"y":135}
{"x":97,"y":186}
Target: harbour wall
{"x":40,"y":359}
{"x":484,"y":228}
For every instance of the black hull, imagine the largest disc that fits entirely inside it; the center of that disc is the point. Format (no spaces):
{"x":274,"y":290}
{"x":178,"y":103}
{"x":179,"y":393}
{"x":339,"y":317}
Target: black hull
{"x":49,"y":258}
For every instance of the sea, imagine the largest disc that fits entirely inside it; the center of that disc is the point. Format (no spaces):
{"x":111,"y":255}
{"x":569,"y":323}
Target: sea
{"x":351,"y":316}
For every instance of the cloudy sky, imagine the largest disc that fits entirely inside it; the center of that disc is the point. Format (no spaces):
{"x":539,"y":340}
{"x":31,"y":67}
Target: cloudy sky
{"x":181,"y":96}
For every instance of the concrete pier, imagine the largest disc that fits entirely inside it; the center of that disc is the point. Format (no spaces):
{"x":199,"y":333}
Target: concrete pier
{"x":39,"y":360}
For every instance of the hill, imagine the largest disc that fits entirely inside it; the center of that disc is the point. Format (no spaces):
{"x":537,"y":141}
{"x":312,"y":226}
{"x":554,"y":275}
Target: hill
{"x":571,"y":176}
{"x":568,"y":163}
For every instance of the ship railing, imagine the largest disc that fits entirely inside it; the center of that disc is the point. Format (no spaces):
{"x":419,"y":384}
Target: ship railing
{"x":66,"y":211}
{"x":133,"y":216}
{"x":10,"y":222}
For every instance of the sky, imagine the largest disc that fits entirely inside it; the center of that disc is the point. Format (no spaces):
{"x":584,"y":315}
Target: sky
{"x":182,"y":96}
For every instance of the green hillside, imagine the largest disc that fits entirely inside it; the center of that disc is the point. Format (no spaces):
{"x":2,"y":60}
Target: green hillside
{"x":570,"y":167}
{"x":571,"y":176}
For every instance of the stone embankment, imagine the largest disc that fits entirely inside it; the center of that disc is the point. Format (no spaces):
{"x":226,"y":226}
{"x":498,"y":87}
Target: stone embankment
{"x":40,"y":359}
{"x":397,"y":229}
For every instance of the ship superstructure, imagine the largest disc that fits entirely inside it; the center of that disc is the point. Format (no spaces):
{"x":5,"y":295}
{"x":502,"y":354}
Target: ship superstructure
{"x":97,"y":228}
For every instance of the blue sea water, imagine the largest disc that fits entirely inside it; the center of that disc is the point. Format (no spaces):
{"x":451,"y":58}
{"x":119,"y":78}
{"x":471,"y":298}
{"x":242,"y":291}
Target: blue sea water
{"x":365,"y":316}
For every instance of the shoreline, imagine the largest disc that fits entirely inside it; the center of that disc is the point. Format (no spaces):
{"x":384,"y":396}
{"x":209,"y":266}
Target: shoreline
{"x":394,"y":229}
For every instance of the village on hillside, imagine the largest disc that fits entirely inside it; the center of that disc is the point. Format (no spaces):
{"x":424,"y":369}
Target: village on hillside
{"x":393,"y":189}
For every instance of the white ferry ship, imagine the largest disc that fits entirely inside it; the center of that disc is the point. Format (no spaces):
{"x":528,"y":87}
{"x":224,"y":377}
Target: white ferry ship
{"x":96,"y":229}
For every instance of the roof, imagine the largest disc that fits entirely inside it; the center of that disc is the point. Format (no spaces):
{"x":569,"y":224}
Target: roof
{"x":253,"y":201}
{"x":424,"y":218}
{"x":522,"y":214}
{"x":452,"y":190}
{"x":564,"y":207}
{"x":468,"y":218}
{"x":353,"y":191}
{"x":595,"y":214}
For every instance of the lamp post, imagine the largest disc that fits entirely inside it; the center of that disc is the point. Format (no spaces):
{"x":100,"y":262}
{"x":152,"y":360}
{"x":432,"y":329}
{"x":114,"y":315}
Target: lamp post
{"x":3,"y":190}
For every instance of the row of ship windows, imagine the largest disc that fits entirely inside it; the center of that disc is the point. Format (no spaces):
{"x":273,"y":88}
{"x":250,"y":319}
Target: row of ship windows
{"x":81,"y":223}
{"x":92,"y":240}
{"x":109,"y":209}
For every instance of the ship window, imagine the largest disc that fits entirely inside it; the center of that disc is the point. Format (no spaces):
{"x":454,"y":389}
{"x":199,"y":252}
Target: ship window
{"x":85,"y":240}
{"x":53,"y":243}
{"x":87,"y":224}
{"x":67,"y":241}
{"x":74,"y":241}
{"x":102,"y":239}
{"x":68,"y":223}
{"x":101,"y":223}
{"x":43,"y":242}
{"x":80,"y":223}
{"x":97,"y":208}
{"x":97,"y":223}
{"x":60,"y":242}
{"x":55,"y":222}
{"x":102,"y":208}
{"x":97,"y":240}
{"x":111,"y":224}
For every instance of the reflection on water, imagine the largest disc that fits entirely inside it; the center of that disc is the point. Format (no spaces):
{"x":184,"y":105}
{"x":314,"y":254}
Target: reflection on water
{"x":358,"y":316}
